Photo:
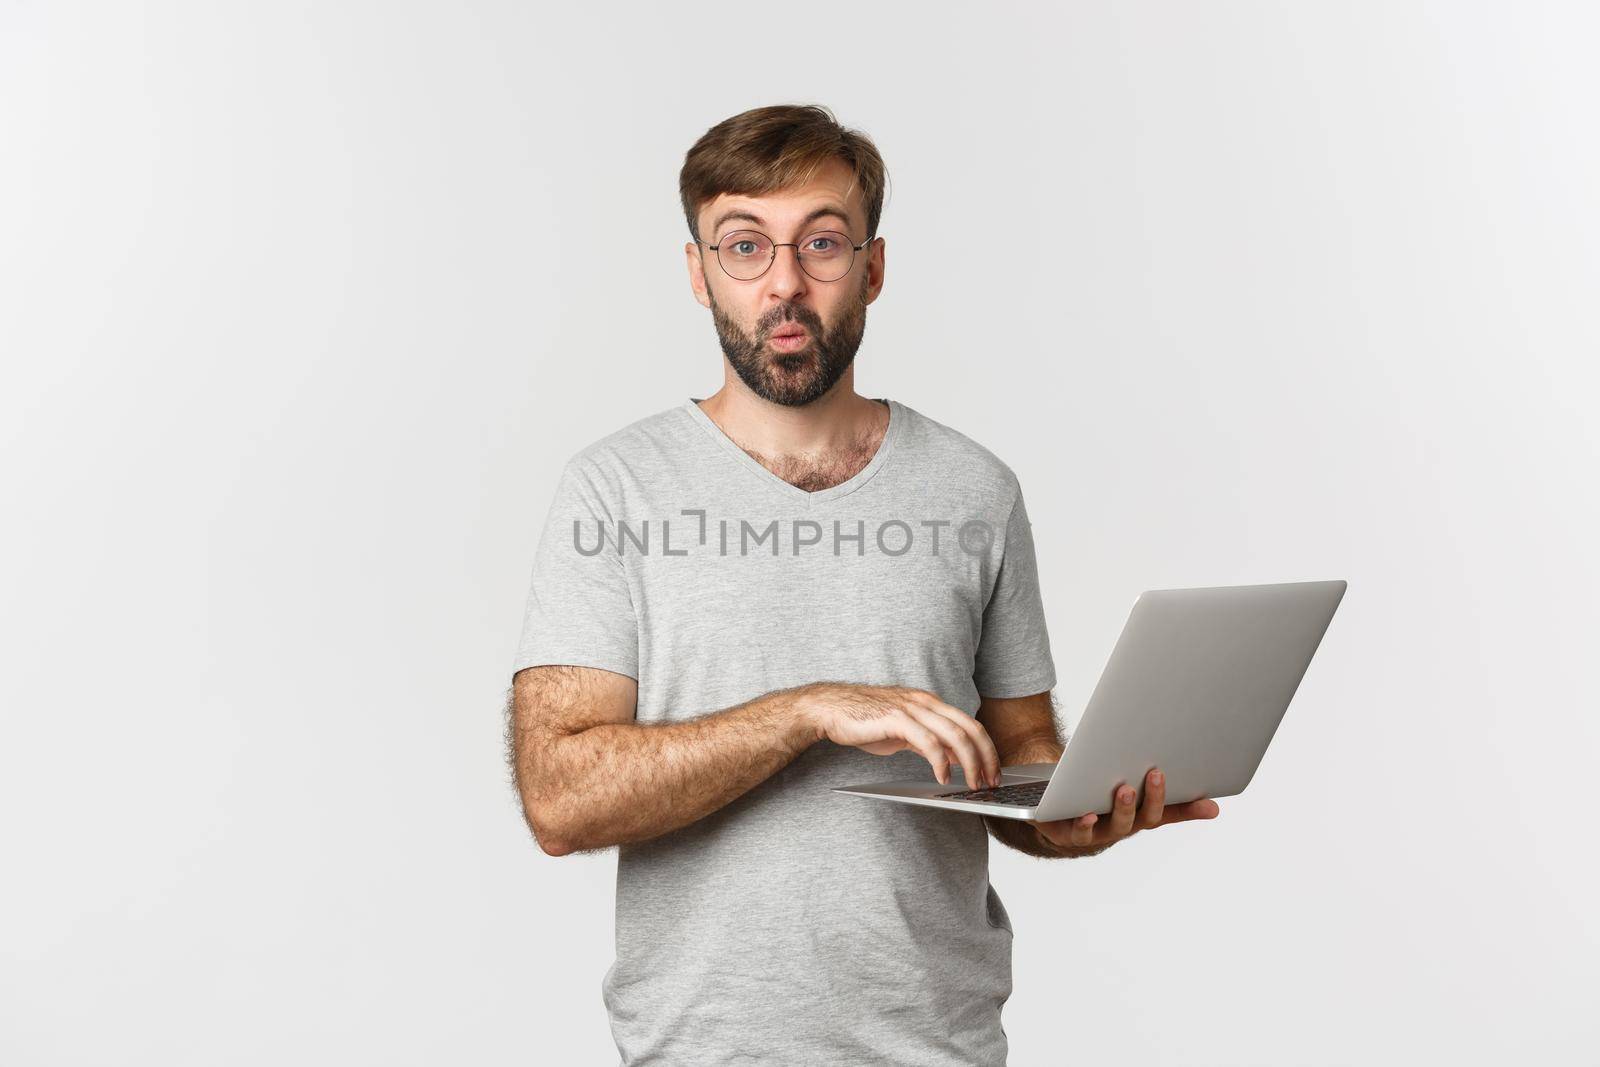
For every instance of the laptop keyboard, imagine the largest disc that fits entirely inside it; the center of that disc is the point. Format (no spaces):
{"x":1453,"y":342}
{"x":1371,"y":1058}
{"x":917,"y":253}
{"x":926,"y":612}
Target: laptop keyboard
{"x":1025,"y":795}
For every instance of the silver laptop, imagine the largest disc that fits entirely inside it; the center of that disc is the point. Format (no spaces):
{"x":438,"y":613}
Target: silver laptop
{"x":1196,"y":685}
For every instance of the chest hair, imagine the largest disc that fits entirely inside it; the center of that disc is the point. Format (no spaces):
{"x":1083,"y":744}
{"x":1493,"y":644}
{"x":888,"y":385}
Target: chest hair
{"x":816,"y":471}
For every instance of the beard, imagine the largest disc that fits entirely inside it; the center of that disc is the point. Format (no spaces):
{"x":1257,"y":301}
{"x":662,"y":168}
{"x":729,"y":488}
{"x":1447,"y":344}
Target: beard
{"x":793,"y":379}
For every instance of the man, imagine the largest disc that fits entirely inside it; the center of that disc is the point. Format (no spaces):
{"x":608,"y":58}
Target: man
{"x":743,"y":600}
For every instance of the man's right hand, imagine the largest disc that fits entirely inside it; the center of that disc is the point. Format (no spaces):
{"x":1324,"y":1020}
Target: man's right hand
{"x":884,"y":720}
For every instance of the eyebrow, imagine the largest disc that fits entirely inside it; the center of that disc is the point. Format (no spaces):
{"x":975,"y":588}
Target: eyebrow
{"x":739,"y":213}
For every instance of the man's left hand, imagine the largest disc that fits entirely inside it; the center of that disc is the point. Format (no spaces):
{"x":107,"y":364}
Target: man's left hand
{"x":1089,"y":834}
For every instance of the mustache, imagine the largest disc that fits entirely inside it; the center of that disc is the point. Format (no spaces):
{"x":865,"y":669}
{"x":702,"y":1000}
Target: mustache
{"x":803,"y":317}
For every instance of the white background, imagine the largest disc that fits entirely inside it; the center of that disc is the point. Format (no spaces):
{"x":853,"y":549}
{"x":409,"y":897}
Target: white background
{"x":302,"y":306}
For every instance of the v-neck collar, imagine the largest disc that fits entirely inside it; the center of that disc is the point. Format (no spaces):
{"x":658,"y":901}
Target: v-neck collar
{"x":897,"y":418}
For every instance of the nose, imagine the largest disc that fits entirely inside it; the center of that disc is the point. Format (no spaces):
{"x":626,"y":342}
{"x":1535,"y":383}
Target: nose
{"x":785,"y":279}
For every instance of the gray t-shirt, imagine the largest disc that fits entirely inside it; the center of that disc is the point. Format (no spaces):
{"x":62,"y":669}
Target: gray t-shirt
{"x":796,"y":925}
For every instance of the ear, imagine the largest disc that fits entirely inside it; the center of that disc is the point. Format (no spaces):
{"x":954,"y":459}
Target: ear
{"x":875,"y":265}
{"x":697,"y":273}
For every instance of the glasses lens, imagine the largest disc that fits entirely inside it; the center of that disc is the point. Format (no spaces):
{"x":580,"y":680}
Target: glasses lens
{"x":826,"y":255}
{"x":744,"y":254}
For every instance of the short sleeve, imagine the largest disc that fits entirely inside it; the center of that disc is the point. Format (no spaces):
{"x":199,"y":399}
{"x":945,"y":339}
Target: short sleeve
{"x":1013,"y":657}
{"x":579,"y":608}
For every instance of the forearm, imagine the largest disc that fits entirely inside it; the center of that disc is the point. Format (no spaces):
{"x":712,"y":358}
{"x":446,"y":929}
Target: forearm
{"x":619,"y":783}
{"x":1023,"y":837}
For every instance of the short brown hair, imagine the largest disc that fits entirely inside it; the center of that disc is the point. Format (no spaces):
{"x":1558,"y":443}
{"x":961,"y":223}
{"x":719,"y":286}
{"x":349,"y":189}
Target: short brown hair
{"x":769,"y":149}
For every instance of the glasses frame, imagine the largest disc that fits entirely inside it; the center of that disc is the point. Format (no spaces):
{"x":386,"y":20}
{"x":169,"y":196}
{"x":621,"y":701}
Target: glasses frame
{"x":787,"y":244}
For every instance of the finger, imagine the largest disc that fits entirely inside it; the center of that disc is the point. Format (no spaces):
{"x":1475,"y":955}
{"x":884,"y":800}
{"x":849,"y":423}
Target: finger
{"x":955,"y":739}
{"x":926,"y":742}
{"x":989,"y":755}
{"x":1122,"y":812}
{"x":1155,"y":798}
{"x":1083,"y":830}
{"x":1204,"y":808}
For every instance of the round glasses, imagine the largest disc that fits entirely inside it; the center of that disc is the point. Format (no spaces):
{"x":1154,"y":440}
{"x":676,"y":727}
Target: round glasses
{"x":826,"y":255}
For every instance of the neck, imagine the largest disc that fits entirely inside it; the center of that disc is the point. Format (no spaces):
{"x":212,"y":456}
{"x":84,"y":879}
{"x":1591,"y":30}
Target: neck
{"x":831,"y":424}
